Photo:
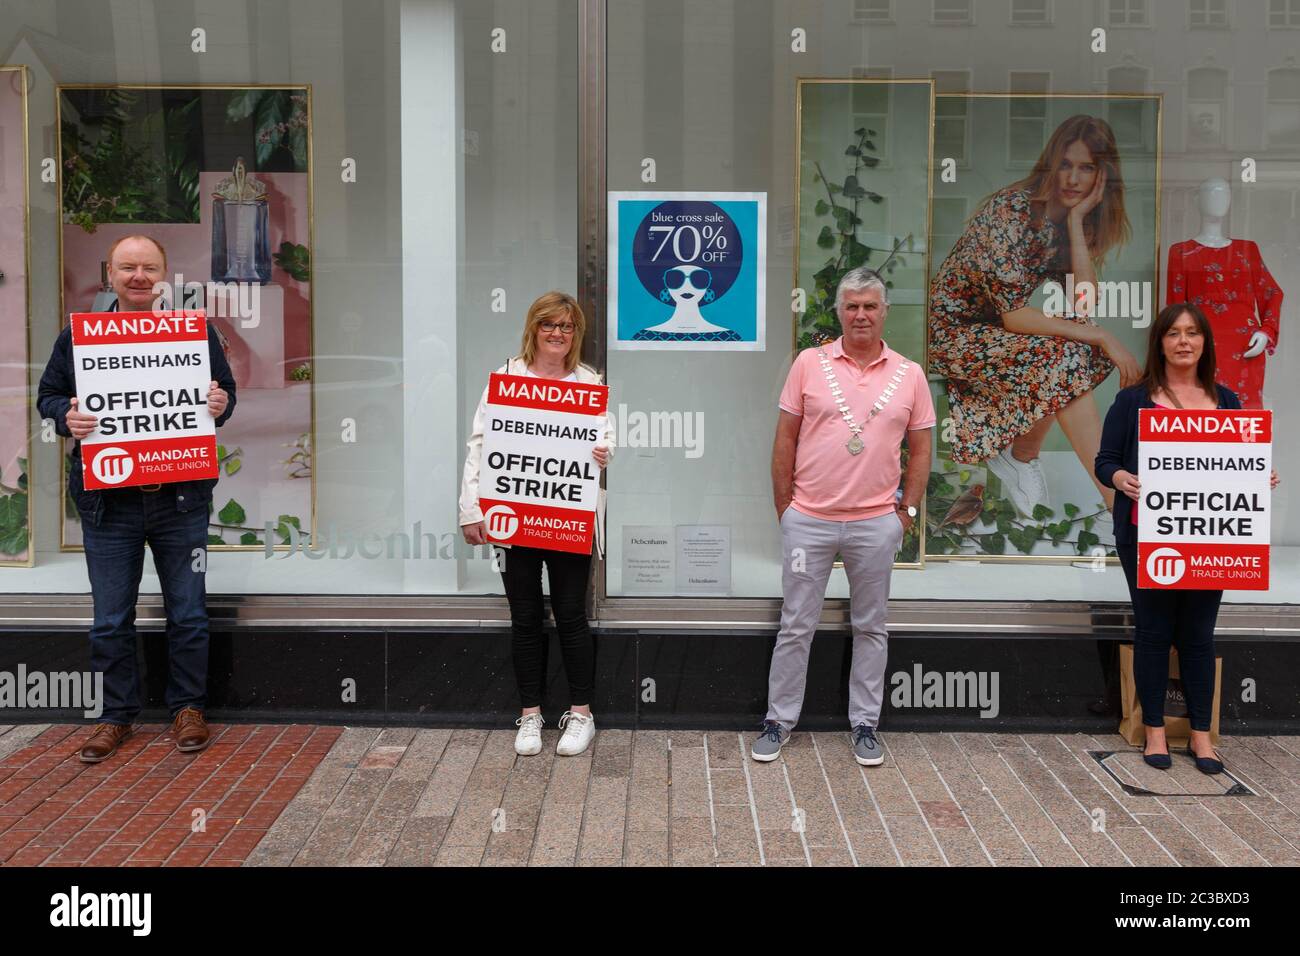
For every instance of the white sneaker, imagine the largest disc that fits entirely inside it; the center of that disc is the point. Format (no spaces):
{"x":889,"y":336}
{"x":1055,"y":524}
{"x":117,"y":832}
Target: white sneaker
{"x":1022,"y":481}
{"x":528,"y":742}
{"x":579,"y":731}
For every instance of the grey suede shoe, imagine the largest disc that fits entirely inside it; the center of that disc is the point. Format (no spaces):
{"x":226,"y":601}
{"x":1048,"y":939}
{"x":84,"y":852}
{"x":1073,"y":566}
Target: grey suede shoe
{"x":768,"y":745}
{"x":866,"y":748}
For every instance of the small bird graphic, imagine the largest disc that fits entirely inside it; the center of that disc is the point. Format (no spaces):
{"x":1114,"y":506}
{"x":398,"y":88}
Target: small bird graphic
{"x":965,"y":509}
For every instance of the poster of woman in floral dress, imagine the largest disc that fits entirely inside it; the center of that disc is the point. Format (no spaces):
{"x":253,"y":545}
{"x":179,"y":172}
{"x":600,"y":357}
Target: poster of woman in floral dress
{"x":1012,"y":366}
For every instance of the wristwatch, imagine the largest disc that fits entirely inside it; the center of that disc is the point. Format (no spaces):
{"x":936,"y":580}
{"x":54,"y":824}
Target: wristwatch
{"x":910,"y":509}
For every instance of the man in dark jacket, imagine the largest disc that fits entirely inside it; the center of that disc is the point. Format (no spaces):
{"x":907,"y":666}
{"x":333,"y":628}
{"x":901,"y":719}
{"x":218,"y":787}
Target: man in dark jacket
{"x":116,"y":524}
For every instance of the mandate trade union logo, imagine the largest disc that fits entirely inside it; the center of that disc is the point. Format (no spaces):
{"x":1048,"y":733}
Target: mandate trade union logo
{"x":501,"y":521}
{"x":113,"y":465}
{"x":1165,"y":566}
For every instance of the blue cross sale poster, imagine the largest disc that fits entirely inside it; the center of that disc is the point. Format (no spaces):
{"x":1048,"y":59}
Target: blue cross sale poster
{"x":687,"y":271}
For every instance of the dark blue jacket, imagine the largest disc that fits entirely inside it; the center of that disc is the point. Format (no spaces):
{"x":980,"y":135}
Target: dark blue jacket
{"x":1119,"y":449}
{"x":54,"y":397}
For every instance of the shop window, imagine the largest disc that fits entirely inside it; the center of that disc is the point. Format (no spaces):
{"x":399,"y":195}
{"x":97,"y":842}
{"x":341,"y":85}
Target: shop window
{"x":873,"y":11}
{"x":871,"y":105}
{"x":1284,"y":13}
{"x":1027,"y":116}
{"x":1282,"y":116}
{"x":1127,"y":13}
{"x":1207,"y":106}
{"x":947,"y":219}
{"x":952,"y":12}
{"x":1031,"y":13}
{"x":1130,"y":120}
{"x":951,"y":115}
{"x":1207,"y":14}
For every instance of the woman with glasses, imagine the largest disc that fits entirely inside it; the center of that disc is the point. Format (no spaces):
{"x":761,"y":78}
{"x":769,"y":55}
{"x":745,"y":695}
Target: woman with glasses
{"x":552,"y":345}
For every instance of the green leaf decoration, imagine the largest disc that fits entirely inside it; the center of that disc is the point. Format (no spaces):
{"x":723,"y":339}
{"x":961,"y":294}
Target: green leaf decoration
{"x":295,"y":259}
{"x":248,"y":537}
{"x":232,"y":513}
{"x":857,"y":253}
{"x":282,"y":528}
{"x":1071,"y":511}
{"x":13,"y":510}
{"x":1042,"y":512}
{"x":822,"y":207}
{"x":215,"y":539}
{"x":17,"y":543}
{"x":825,"y":238}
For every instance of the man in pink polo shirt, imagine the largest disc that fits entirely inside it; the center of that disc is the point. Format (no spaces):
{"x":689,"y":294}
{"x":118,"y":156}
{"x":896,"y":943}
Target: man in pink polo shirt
{"x":835,"y":476}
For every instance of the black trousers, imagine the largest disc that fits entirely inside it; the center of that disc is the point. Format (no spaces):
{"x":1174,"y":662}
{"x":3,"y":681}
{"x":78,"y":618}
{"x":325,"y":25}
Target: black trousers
{"x":567,"y":575}
{"x":1184,"y":619}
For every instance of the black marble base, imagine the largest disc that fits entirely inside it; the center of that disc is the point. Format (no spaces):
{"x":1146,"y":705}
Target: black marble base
{"x":659,"y":680}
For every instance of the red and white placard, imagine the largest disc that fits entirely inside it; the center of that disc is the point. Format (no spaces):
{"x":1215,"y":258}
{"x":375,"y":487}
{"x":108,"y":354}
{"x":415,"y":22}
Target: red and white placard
{"x":145,"y":376}
{"x":539,"y":484}
{"x":1203,"y":517}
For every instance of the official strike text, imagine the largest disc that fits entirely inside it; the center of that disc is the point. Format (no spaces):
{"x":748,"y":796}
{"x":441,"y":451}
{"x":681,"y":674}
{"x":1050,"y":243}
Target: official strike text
{"x":1228,"y":523}
{"x":148,"y":419}
{"x":545,"y":486}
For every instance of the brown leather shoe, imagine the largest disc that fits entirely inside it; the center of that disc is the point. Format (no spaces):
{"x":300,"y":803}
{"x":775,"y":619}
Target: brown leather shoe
{"x":190,"y":730}
{"x":103,"y":743}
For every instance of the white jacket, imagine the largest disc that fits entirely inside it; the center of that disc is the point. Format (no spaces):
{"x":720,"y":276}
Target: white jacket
{"x":469,"y":509}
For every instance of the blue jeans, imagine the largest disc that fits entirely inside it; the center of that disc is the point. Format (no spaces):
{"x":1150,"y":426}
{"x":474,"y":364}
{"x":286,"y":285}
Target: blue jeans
{"x":115,"y":561}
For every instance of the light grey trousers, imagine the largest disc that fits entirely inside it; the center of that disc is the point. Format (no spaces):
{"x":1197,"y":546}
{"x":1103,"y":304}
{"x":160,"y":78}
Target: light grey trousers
{"x":809,"y":546}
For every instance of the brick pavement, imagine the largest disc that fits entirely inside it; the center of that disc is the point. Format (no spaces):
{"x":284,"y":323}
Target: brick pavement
{"x":149,"y":804}
{"x":332,"y":796}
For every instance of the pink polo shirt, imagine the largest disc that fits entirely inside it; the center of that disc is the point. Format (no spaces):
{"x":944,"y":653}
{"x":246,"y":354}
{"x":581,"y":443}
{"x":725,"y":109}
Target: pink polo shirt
{"x":830,"y":483}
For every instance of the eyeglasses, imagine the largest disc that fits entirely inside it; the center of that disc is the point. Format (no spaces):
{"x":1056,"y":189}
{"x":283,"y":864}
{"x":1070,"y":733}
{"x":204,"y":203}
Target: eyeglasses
{"x":565,"y":329}
{"x":676,"y":278}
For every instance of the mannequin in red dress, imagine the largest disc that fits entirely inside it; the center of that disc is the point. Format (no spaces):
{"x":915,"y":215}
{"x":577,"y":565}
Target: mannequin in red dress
{"x":1227,"y":279}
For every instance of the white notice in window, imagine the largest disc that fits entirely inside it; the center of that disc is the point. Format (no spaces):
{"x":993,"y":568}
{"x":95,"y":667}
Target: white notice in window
{"x":704,"y":559}
{"x":647,"y":559}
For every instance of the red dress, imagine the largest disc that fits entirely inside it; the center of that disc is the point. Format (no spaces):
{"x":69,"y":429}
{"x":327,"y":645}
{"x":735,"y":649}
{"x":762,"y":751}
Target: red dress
{"x":1239,"y":297}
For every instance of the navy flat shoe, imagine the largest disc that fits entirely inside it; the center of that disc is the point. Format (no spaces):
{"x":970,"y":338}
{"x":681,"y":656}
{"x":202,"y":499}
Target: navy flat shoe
{"x":1206,"y":765}
{"x":1159,"y":761}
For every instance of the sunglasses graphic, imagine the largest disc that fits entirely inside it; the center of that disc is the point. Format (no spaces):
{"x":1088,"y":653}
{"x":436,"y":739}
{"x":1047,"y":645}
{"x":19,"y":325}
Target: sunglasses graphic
{"x":676,"y":277}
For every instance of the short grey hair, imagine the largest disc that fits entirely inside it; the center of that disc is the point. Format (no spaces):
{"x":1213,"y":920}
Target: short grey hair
{"x":859,"y":280}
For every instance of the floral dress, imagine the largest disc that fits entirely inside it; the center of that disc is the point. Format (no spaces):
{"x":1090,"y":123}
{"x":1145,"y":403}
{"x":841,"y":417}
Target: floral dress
{"x":1002,"y":383}
{"x":1239,"y":297}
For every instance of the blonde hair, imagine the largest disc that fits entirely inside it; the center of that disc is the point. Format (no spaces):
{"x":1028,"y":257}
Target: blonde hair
{"x":549,"y":308}
{"x":159,"y":245}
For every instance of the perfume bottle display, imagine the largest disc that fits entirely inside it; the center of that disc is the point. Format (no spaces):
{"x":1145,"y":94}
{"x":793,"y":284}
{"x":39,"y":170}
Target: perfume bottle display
{"x":241,"y":249}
